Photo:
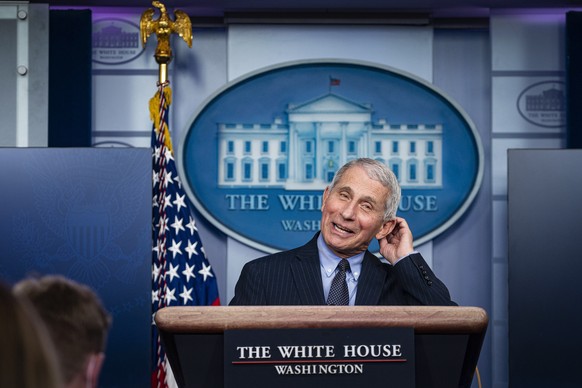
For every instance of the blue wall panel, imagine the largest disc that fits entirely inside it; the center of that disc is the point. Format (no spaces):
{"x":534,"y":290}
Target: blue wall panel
{"x":85,"y":213}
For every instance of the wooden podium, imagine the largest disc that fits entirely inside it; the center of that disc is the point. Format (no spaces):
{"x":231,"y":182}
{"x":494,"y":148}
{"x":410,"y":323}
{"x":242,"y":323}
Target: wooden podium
{"x":447,"y":340}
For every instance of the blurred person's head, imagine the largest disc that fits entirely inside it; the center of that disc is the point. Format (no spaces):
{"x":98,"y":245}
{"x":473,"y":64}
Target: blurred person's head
{"x":77,"y":322}
{"x":27,"y":355}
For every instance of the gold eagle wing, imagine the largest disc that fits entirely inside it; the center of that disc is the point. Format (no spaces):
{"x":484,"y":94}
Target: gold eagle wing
{"x":147,"y":25}
{"x":183,"y":26}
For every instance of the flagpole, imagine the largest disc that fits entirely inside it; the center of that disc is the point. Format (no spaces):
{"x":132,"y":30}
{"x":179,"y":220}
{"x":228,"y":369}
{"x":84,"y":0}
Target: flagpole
{"x":164,"y":28}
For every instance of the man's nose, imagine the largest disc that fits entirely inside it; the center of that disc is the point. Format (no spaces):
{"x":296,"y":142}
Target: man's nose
{"x":349,"y":210}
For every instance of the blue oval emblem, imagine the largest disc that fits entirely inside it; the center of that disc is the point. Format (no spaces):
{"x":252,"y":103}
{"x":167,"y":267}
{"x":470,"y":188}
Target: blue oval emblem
{"x":260,"y":151}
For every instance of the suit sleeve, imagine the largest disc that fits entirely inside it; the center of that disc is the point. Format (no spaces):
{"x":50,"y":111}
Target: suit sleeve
{"x":248,"y":290}
{"x":419,"y":284}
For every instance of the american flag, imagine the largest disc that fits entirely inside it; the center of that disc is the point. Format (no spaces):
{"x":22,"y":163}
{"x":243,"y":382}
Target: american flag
{"x":181,"y":273}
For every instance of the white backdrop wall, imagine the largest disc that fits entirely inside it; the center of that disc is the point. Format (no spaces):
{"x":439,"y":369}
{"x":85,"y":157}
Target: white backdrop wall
{"x":483,"y":70}
{"x":462,"y":255}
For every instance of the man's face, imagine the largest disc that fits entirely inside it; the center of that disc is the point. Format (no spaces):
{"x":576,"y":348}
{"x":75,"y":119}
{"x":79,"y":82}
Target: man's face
{"x":352,"y":213}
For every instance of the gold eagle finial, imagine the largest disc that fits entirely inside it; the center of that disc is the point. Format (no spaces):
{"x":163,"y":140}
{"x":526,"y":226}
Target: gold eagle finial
{"x":164,"y":27}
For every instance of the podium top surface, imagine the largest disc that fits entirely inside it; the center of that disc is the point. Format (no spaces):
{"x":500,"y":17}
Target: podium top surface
{"x":424,"y":319}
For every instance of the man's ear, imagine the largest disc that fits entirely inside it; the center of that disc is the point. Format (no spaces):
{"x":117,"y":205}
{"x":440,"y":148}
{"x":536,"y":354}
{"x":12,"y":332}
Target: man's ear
{"x":387,"y":227}
{"x":325,"y":195}
{"x":93,"y":368}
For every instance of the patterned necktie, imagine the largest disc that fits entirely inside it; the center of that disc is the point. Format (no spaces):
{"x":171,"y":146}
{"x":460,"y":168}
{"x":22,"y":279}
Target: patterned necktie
{"x":338,"y":292}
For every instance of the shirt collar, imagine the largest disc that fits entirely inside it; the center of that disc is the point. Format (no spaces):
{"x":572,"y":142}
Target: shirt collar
{"x":330,"y":260}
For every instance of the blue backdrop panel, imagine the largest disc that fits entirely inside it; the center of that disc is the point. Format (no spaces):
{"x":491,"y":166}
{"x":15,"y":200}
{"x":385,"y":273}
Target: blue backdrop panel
{"x":544,"y":224}
{"x":86,"y":213}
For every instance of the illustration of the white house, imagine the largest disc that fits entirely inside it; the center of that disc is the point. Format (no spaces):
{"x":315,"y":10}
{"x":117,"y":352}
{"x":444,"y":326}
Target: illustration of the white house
{"x":318,"y":137}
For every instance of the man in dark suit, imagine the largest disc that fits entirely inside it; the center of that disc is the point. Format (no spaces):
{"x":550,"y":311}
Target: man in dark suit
{"x":358,"y":206}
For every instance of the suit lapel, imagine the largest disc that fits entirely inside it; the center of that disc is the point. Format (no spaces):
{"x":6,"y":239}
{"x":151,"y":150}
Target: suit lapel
{"x":371,"y":281}
{"x":306,"y":272}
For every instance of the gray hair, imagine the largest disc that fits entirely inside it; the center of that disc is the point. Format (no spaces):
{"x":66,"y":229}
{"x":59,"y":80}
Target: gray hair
{"x":377,"y":171}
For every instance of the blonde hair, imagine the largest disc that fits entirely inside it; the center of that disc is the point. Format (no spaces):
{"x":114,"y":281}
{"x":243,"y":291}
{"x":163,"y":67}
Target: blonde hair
{"x":27,"y":355}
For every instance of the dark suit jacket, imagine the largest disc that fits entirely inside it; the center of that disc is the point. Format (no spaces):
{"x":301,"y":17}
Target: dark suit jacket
{"x":294,"y":278}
